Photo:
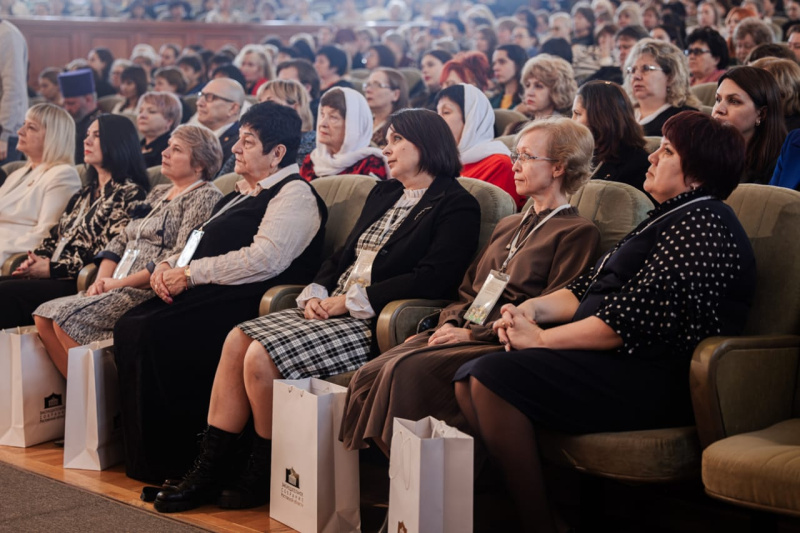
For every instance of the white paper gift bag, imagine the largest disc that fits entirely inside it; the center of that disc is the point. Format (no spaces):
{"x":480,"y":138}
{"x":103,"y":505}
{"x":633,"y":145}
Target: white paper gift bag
{"x":431,"y":478}
{"x":314,"y":485}
{"x":32,"y":390}
{"x":93,"y":436}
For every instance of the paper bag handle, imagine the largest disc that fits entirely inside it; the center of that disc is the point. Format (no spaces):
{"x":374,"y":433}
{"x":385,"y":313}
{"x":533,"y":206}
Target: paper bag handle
{"x":404,"y":458}
{"x":302,"y":391}
{"x":441,"y":430}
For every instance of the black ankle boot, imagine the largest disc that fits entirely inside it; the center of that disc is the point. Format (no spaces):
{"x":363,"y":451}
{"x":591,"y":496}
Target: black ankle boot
{"x":203,"y":483}
{"x":252,"y":487}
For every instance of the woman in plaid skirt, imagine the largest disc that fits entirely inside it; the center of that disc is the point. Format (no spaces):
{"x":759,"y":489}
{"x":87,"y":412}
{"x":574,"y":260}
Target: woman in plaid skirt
{"x":414,"y":239}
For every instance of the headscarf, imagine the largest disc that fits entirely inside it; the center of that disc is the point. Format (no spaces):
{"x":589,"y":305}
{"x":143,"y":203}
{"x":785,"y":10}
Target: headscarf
{"x":357,"y":136}
{"x":477,"y":142}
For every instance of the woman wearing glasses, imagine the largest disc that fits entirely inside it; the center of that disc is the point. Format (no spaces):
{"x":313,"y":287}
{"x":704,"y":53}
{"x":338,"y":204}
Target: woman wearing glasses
{"x":344,"y":129}
{"x":657,"y":81}
{"x":708,"y":56}
{"x":386,"y":91}
{"x":529,"y":254}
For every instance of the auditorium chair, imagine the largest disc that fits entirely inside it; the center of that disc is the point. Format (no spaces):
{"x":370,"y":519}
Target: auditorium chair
{"x":504,"y":117}
{"x":107,"y":103}
{"x":706,"y":93}
{"x":738,"y":385}
{"x":191,"y":102}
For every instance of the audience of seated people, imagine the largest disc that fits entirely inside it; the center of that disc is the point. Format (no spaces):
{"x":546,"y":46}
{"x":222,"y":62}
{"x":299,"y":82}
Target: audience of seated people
{"x":318,"y":119}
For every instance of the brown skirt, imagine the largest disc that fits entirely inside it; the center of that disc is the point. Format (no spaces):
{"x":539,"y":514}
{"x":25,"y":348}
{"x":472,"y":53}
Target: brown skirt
{"x":410,"y":381}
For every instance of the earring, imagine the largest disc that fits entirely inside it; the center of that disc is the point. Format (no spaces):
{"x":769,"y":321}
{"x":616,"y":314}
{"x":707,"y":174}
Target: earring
{"x":758,"y":122}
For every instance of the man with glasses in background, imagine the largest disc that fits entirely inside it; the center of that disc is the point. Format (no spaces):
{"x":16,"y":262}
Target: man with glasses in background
{"x":219,"y":106}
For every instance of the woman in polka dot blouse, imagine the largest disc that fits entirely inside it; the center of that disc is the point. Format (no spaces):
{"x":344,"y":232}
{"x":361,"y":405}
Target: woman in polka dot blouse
{"x":619,"y":361}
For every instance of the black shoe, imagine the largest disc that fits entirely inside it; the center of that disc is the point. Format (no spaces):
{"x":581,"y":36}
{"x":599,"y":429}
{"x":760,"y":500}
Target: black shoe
{"x":252,"y":487}
{"x":203,"y":483}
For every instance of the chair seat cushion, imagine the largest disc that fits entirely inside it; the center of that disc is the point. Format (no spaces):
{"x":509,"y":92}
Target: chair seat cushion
{"x":649,"y":456}
{"x":760,"y":469}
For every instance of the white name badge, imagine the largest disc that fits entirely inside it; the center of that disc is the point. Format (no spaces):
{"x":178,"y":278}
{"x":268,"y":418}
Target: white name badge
{"x":59,"y":249}
{"x":362,"y":270}
{"x":486,"y":299}
{"x":125,"y":264}
{"x":191,"y":245}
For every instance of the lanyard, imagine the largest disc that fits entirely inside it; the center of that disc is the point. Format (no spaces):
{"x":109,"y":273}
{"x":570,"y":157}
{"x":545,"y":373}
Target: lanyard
{"x":396,"y":219}
{"x":514,"y":247}
{"x":190,"y":188}
{"x":620,"y":243}
{"x":234,"y":202}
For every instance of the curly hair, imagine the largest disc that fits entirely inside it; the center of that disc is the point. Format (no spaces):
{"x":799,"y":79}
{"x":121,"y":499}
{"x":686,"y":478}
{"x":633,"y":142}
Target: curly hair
{"x":556,"y":74}
{"x":471,"y":67}
{"x":671,"y":60}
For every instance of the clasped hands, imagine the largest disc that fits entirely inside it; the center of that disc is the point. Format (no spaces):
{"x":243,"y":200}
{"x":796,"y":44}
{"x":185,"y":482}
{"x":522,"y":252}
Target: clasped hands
{"x":103,"y":285}
{"x":35,"y":266}
{"x":317,"y":309}
{"x":168,"y":282}
{"x":517,"y":328}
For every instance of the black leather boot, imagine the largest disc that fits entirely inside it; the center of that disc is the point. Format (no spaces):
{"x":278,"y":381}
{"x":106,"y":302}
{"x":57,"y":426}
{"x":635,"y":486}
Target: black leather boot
{"x":203,"y":483}
{"x":252,"y":487}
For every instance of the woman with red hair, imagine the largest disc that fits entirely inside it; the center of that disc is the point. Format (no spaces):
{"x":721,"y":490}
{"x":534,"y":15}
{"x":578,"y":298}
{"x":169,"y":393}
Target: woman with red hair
{"x":468,"y":67}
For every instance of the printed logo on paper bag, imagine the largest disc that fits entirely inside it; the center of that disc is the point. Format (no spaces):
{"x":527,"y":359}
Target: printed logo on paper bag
{"x":401,"y":528}
{"x":290,"y":488}
{"x":53,"y":408}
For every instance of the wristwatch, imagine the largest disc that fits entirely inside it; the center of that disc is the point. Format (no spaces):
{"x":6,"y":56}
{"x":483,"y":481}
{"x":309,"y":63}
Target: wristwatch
{"x":188,"y":273}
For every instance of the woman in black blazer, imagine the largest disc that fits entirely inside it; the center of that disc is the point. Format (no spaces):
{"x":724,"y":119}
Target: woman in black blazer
{"x":414,"y":239}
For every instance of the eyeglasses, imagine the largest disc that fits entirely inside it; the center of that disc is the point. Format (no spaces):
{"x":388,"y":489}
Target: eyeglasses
{"x":696,"y":51}
{"x":645,"y":69}
{"x":375,"y":85}
{"x":524,"y":158}
{"x":211,"y":97}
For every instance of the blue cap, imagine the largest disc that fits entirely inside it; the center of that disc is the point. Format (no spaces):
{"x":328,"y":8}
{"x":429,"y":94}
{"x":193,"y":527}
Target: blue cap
{"x":76,"y":83}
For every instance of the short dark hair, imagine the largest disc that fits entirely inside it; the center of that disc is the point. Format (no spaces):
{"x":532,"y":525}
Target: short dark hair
{"x":517,"y":54}
{"x":716,"y":43}
{"x":385,"y":55}
{"x":438,"y":152}
{"x":442,"y":55}
{"x":457,"y":23}
{"x":711,"y":152}
{"x":558,"y":47}
{"x":174,"y":77}
{"x":305,"y":71}
{"x":794,"y":28}
{"x":289,"y":51}
{"x":334,"y":98}
{"x":454,"y":93}
{"x":778,"y":50}
{"x":229,"y":71}
{"x":275,"y":124}
{"x":192,"y":61}
{"x":107,"y":57}
{"x":304,"y":50}
{"x":634,"y":32}
{"x":336,"y":57}
{"x":137,"y":75}
{"x":121,"y":151}
{"x":610,"y":118}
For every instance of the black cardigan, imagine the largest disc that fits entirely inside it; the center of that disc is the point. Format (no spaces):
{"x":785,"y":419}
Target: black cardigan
{"x":426,"y":257}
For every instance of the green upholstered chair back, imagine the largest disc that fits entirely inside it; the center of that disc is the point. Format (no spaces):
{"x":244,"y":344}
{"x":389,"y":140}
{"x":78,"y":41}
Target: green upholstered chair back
{"x":344,"y":196}
{"x":226,"y":182}
{"x":653,"y":143}
{"x":107,"y":103}
{"x":155,"y":176}
{"x":508,"y":140}
{"x":706,"y":93}
{"x":771,"y":218}
{"x":504,"y":117}
{"x":495,"y":203}
{"x":82,"y":174}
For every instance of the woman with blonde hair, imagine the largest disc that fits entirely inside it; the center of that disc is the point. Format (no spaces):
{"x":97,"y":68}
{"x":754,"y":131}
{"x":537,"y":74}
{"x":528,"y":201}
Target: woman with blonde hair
{"x":657,"y":81}
{"x":787,"y":74}
{"x":386,"y":91}
{"x":33,"y":197}
{"x":291,"y":93}
{"x":549,"y":84}
{"x":628,"y":14}
{"x":157,"y":115}
{"x":256,"y":67}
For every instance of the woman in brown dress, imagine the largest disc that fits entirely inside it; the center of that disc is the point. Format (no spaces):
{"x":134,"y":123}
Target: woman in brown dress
{"x":535,"y":252}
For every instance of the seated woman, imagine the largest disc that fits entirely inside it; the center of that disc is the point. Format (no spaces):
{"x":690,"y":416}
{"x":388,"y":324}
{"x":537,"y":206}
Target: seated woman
{"x":116,"y":179}
{"x":48,"y":86}
{"x":386,"y":91}
{"x":171,"y":80}
{"x":470,"y":117}
{"x":540,"y":251}
{"x":508,"y":61}
{"x":34,"y":196}
{"x":787,"y":73}
{"x":619,"y":151}
{"x":620,"y":359}
{"x":749,"y":99}
{"x":256,"y":67}
{"x":549,"y":87}
{"x":467,"y":67}
{"x":707,"y":53}
{"x":159,"y":228}
{"x":431,"y":66}
{"x":657,"y":80}
{"x":416,"y":233}
{"x":158,"y":115}
{"x":268,"y":231}
{"x":344,"y":129}
{"x":132,"y":85}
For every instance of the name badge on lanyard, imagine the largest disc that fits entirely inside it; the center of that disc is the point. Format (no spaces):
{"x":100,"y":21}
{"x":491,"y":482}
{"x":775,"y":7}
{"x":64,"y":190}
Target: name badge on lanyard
{"x":125,"y":264}
{"x":487,"y":297}
{"x":62,"y":243}
{"x":191,"y":245}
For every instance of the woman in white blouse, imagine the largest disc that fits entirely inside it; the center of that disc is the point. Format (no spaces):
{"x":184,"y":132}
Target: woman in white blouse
{"x":33,"y":197}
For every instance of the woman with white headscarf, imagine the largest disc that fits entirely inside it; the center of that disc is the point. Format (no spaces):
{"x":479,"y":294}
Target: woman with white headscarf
{"x":470,"y":116}
{"x":344,"y":131}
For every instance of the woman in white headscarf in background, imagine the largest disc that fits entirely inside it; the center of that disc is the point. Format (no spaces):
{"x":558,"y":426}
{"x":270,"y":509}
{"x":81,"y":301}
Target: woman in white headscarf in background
{"x":471,"y":119}
{"x":344,"y":130}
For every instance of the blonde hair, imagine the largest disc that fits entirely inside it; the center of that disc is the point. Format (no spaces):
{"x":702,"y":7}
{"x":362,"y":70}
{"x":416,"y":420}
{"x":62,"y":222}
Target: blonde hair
{"x":787,"y":74}
{"x":293,"y":93}
{"x":633,"y":11}
{"x":206,"y":149}
{"x":263,"y":56}
{"x":568,"y":142}
{"x":166,"y":103}
{"x":556,"y":74}
{"x":670,"y":58}
{"x":59,"y":135}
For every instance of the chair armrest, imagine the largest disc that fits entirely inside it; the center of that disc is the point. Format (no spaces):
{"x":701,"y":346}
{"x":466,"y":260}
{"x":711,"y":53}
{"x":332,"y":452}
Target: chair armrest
{"x":398,"y":320}
{"x":278,"y":298}
{"x":742,"y":384}
{"x":11,"y":264}
{"x":86,"y":276}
